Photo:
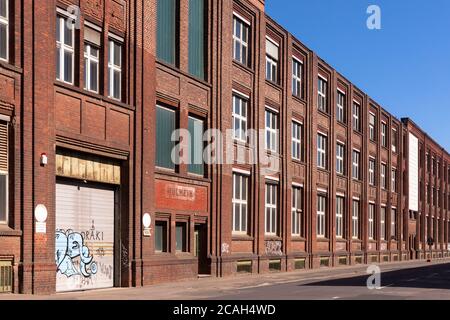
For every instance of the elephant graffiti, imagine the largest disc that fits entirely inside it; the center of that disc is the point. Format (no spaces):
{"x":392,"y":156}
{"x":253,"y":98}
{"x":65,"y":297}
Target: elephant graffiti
{"x":69,"y":246}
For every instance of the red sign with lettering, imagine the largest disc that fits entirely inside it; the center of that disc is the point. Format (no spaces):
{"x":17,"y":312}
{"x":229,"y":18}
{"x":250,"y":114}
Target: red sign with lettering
{"x":183,"y":197}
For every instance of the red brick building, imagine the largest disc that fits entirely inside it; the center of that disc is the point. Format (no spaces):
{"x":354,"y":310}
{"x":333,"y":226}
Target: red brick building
{"x":90,"y":93}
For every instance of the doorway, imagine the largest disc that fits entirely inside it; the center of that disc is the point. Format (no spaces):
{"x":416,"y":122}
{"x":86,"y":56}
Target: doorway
{"x":201,"y":248}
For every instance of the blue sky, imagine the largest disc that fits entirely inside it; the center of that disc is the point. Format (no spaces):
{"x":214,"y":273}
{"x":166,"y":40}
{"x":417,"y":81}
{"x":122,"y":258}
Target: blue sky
{"x":405,"y":66}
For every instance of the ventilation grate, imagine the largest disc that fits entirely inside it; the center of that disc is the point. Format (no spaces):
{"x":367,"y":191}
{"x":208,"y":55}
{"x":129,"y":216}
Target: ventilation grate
{"x":6,"y":276}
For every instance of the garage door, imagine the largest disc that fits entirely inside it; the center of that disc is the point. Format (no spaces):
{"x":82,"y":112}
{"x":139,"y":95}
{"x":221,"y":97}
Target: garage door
{"x":84,"y":250}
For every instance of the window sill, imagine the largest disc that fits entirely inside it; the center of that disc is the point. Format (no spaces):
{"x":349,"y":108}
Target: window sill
{"x":240,"y":143}
{"x":174,"y":68}
{"x":323,"y":239}
{"x":241,"y":237}
{"x":272,"y":153}
{"x":298,"y":239}
{"x":274,"y":84}
{"x":323,"y":170}
{"x":342,"y":123}
{"x":165,"y":170}
{"x":325,"y":113}
{"x":297,"y":161}
{"x":299,"y":99}
{"x":6,"y":231}
{"x":73,"y":87}
{"x":7,"y":65}
{"x":242,"y":66}
{"x":269,"y":237}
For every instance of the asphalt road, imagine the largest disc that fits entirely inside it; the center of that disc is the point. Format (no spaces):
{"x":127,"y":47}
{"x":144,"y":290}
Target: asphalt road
{"x":399,"y":281}
{"x":421,"y":282}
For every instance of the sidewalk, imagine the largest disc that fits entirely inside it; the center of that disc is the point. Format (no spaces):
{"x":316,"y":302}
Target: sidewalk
{"x":214,"y":288}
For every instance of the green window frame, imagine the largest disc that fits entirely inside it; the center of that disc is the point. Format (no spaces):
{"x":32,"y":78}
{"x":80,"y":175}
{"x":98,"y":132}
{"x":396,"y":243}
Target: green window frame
{"x":165,"y":126}
{"x":181,"y":237}
{"x":166,"y":30}
{"x":196,"y":129}
{"x":197,"y":38}
{"x":161,"y":236}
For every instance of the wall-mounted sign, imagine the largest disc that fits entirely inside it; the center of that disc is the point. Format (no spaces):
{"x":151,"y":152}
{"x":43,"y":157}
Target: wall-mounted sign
{"x":87,"y":167}
{"x":40,"y":214}
{"x":147,"y":222}
{"x":180,"y":196}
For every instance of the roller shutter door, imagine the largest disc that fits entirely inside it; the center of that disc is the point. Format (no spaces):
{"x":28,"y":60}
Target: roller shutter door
{"x":84,"y":252}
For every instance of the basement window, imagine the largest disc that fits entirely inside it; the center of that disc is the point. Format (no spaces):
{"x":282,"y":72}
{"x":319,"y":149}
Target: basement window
{"x":300,"y":264}
{"x":275,"y":265}
{"x":244,"y":266}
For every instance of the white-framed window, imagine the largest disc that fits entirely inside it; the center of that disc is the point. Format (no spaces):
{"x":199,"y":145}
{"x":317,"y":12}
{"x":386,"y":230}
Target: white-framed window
{"x":271,"y":131}
{"x":321,"y":216}
{"x":239,"y":118}
{"x":355,"y":220}
{"x":383,"y":223}
{"x":322,"y":95}
{"x":371,"y":221}
{"x":65,"y":48}
{"x":321,"y":151}
{"x":272,"y":61}
{"x":394,"y":223}
{"x":297,"y":74}
{"x":372,"y":172}
{"x":340,"y":155}
{"x":356,"y":116}
{"x":91,"y":59}
{"x":297,"y":211}
{"x":394,"y":140}
{"x":240,"y":203}
{"x":383,"y":181}
{"x":394,"y":180}
{"x":383,"y":134}
{"x":4,"y":30}
{"x":271,"y":209}
{"x":340,"y":110}
{"x":355,"y":164}
{"x":372,"y":126}
{"x":240,"y":41}
{"x":296,"y":140}
{"x":115,"y":69}
{"x":340,"y":206}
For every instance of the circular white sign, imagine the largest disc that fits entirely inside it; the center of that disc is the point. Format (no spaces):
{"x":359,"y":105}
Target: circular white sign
{"x":40,"y":213}
{"x":146,"y":220}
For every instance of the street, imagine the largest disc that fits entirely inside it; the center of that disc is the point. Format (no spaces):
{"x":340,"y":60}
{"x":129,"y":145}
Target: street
{"x":407,"y":280}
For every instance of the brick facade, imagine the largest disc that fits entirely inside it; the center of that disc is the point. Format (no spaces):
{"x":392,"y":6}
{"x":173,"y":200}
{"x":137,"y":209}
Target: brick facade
{"x":48,"y":116}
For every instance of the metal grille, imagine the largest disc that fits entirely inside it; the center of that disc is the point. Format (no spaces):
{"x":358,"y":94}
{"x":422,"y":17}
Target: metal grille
{"x":342,"y":261}
{"x":6,"y":276}
{"x":3,"y":146}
